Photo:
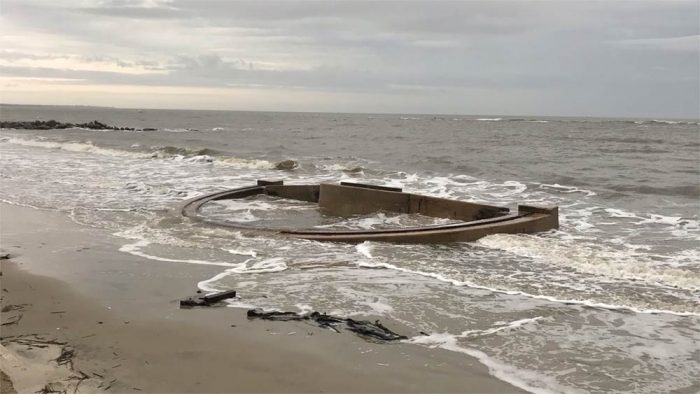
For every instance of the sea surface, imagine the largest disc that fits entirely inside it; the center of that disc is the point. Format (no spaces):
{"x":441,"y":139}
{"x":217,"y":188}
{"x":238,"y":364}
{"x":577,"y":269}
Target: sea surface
{"x":610,"y":302}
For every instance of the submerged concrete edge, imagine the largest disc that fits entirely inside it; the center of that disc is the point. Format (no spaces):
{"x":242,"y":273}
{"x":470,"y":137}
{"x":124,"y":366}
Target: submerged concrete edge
{"x":351,"y":198}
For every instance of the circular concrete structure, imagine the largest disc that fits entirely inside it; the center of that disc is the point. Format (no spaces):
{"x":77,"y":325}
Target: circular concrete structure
{"x":348,"y":199}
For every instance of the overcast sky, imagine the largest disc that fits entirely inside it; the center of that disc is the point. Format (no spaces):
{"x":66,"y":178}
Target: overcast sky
{"x":607,"y":58}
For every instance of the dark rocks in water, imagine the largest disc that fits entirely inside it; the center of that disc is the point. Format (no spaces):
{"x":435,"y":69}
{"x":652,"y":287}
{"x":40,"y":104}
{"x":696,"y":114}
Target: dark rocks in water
{"x":207,"y":300}
{"x":95,"y":125}
{"x":366,"y":329}
{"x":354,"y":170}
{"x":286,"y":165}
{"x":55,"y":125}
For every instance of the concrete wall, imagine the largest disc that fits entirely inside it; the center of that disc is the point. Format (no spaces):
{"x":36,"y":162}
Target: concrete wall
{"x":345,"y":200}
{"x":308,"y":193}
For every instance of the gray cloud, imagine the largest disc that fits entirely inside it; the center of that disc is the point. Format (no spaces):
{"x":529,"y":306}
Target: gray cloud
{"x":619,"y":58}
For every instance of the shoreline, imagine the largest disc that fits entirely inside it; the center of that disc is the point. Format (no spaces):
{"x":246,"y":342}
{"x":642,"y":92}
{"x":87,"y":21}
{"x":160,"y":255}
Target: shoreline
{"x":125,"y":326}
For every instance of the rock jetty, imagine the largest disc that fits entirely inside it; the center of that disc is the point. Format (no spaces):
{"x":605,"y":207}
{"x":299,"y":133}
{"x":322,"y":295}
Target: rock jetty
{"x":53,"y":125}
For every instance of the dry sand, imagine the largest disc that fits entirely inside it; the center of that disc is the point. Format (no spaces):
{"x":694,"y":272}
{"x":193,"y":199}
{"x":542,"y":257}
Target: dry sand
{"x":113,"y":323}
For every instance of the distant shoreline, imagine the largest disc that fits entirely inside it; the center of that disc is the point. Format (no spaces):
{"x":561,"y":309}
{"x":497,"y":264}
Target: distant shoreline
{"x":388,"y":114}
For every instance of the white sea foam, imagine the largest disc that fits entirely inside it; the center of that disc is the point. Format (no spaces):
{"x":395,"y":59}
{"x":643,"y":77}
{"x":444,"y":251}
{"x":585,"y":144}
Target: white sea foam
{"x":250,"y":266}
{"x":500,"y":327}
{"x":567,"y":189}
{"x":135,"y":249}
{"x":245,"y":205}
{"x":241,"y":252}
{"x":490,"y":119}
{"x":273,"y":264}
{"x":661,"y":121}
{"x":78,"y":147}
{"x":304,"y":308}
{"x":365,"y":249}
{"x":528,"y":380}
{"x":619,"y":213}
{"x":592,"y":259}
{"x":89,"y":147}
{"x":252,"y":164}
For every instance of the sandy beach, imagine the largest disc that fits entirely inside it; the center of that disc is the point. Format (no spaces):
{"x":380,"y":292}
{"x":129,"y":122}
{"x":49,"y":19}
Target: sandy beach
{"x":114,"y":324}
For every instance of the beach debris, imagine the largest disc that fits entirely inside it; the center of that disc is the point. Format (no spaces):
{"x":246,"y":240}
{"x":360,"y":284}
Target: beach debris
{"x":364,"y":328}
{"x":14,"y":307}
{"x":5,"y":256}
{"x":207,"y":300}
{"x":54,"y":387}
{"x":64,"y":377}
{"x":66,"y":357}
{"x":275,"y":315}
{"x":54,"y":125}
{"x":12,"y":320}
{"x":79,"y":379}
{"x":31,"y":340}
{"x":373,"y":330}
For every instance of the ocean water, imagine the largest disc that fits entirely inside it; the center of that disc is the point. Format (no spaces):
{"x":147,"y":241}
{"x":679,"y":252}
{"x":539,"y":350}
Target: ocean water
{"x":610,"y":302}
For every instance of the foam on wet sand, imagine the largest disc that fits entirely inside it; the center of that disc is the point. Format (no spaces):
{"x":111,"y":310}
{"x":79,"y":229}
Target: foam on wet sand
{"x":127,"y":332}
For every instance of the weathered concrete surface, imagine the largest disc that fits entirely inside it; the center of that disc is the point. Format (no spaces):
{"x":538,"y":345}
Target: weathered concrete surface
{"x":355,"y":199}
{"x":308,"y":193}
{"x":478,"y":220}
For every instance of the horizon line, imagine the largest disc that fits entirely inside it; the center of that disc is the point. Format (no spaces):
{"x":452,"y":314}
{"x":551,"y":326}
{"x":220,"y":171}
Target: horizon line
{"x":356,"y":113}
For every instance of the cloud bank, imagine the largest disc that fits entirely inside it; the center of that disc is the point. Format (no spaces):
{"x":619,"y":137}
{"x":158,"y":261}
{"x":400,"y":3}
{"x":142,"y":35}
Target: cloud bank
{"x":613,"y":58}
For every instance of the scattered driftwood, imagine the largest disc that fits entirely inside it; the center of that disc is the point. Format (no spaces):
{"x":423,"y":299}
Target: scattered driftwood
{"x":70,"y":383}
{"x":79,"y":379}
{"x":207,"y":300}
{"x":13,"y":307}
{"x":31,"y":340}
{"x":53,"y":125}
{"x":66,"y":357}
{"x":366,"y":329}
{"x":51,"y":388}
{"x":12,"y":320}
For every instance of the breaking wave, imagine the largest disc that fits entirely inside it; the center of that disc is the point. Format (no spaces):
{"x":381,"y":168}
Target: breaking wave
{"x":80,"y":147}
{"x":528,"y":380}
{"x":202,"y":155}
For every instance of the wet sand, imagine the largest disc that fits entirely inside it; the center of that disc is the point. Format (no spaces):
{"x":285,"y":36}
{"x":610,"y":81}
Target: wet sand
{"x":119,"y":316}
